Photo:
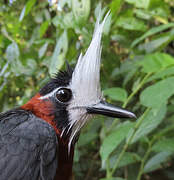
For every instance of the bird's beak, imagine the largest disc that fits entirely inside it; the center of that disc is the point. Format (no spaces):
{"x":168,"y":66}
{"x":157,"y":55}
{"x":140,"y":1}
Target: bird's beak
{"x":110,"y":110}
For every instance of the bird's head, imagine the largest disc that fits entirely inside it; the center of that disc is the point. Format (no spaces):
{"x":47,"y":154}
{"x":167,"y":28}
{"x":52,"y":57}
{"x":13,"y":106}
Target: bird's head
{"x":75,"y":95}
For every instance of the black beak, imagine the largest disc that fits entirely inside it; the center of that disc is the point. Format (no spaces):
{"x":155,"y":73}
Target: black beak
{"x":107,"y":109}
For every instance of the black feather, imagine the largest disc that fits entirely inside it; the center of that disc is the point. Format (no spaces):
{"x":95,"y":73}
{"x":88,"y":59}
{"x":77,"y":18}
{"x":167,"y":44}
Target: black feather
{"x":28,"y":147}
{"x":62,"y":78}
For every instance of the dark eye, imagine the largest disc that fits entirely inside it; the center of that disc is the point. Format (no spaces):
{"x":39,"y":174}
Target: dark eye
{"x":64,"y":95}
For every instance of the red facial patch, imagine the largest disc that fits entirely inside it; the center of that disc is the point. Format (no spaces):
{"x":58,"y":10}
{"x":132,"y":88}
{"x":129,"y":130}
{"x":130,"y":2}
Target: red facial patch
{"x":42,"y":109}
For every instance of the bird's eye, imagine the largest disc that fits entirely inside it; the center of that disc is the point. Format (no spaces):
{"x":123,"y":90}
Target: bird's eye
{"x":64,"y":95}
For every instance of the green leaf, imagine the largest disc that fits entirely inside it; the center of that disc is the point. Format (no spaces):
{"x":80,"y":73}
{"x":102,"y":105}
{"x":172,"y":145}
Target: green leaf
{"x":86,"y":138}
{"x":156,"y":161}
{"x":131,"y":23}
{"x":81,"y":10}
{"x":57,"y":59}
{"x":3,"y":69}
{"x":22,"y":14}
{"x":12,"y":55}
{"x":113,"y":140}
{"x":161,"y":14}
{"x":158,"y":94}
{"x":115,"y":6}
{"x":43,"y":28}
{"x":162,"y":74}
{"x":77,"y":155}
{"x":159,"y":8}
{"x":69,"y":21}
{"x":42,"y":50}
{"x":128,"y":158}
{"x":151,"y":32}
{"x":30,"y":67}
{"x":157,"y":43}
{"x":140,"y":3}
{"x":117,"y":94}
{"x":12,"y":52}
{"x":166,"y":145}
{"x":155,"y":62}
{"x":142,"y":14}
{"x":150,"y":122}
{"x":27,"y":8}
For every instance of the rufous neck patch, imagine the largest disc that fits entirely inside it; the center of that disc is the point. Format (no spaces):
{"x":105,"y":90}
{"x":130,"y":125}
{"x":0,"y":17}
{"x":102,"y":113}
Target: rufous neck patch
{"x":42,"y":109}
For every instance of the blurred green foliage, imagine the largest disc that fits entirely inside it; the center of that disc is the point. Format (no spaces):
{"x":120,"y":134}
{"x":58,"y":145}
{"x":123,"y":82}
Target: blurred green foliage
{"x":137,"y":72}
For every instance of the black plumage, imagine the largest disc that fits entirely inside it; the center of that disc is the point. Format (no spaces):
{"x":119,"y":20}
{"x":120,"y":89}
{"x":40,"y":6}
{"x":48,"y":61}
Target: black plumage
{"x":62,"y":78}
{"x":28,"y":147}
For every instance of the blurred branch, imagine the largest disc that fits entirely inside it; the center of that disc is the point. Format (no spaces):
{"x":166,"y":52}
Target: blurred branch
{"x":129,"y":141}
{"x":146,"y":155}
{"x":145,"y":158}
{"x":130,"y":97}
{"x":110,"y":174}
{"x":136,"y":90}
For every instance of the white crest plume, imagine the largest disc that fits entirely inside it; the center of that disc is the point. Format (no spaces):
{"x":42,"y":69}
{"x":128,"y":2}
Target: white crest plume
{"x":85,"y":83}
{"x":86,"y":76}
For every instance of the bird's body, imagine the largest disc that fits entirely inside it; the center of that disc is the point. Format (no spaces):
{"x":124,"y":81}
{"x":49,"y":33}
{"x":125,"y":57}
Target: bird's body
{"x":37,"y":140}
{"x":28,"y":147}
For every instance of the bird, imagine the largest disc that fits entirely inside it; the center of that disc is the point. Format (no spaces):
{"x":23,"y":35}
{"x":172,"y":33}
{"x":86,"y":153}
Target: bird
{"x":37,"y":139}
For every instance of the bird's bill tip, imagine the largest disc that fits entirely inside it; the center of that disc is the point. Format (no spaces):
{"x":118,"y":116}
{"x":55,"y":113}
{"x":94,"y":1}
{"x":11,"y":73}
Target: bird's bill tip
{"x":107,"y":109}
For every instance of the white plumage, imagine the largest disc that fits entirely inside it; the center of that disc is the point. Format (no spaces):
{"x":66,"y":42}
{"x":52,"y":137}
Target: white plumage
{"x":85,"y":83}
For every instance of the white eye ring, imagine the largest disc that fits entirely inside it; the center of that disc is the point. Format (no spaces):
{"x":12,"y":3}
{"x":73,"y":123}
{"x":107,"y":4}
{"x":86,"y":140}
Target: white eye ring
{"x":53,"y":93}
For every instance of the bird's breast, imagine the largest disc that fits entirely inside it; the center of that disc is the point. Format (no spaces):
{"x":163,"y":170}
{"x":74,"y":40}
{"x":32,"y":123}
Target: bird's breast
{"x":65,"y":162}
